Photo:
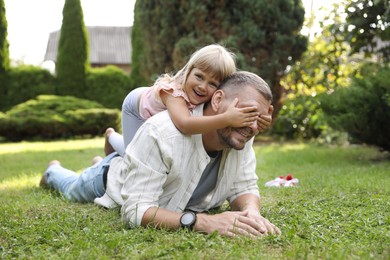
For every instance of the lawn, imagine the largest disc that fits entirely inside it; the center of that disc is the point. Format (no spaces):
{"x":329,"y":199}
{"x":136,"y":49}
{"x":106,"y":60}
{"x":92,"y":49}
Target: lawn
{"x":340,"y":209}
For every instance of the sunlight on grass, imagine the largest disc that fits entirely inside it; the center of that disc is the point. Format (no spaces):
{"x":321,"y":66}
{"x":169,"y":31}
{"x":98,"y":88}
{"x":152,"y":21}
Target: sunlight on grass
{"x":283,"y":147}
{"x":293,"y":147}
{"x":12,"y":148}
{"x":19,"y":183}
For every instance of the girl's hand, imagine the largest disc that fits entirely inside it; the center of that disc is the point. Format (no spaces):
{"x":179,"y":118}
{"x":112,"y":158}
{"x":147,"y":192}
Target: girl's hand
{"x":241,"y":117}
{"x":264,"y":121}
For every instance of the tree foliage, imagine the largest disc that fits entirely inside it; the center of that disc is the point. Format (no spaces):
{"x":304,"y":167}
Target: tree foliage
{"x":369,"y":26}
{"x":324,"y":67}
{"x":4,"y":46}
{"x":264,"y":35}
{"x":363,"y":109}
{"x":4,"y":57}
{"x":72,"y":60}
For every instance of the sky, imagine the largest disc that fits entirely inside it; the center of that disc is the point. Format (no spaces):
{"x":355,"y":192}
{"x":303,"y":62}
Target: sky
{"x":31,"y":21}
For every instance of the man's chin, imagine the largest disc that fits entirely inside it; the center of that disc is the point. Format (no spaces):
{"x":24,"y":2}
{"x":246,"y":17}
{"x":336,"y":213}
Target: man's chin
{"x":239,"y":141}
{"x":233,"y":139}
{"x":237,"y":144}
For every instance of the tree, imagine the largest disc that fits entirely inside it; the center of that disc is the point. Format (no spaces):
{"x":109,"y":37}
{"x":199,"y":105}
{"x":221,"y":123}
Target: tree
{"x":73,"y":51}
{"x":323,"y":68}
{"x":264,"y":35}
{"x":4,"y":57}
{"x":369,"y":22}
{"x":363,"y":109}
{"x":4,"y":49}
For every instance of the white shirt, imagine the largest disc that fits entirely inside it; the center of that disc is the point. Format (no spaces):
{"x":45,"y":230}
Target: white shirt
{"x":162,"y":167}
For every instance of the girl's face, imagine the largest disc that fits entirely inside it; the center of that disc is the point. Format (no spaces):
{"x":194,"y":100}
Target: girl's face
{"x":200,"y":86}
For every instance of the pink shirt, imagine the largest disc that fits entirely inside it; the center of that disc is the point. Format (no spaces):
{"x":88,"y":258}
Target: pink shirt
{"x":150,"y":101}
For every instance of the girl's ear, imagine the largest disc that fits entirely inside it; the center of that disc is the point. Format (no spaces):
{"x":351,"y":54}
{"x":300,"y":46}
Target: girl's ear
{"x":217,"y":99}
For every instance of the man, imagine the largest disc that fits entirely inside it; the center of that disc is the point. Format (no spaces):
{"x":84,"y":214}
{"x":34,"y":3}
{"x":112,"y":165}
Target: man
{"x":165,"y":173}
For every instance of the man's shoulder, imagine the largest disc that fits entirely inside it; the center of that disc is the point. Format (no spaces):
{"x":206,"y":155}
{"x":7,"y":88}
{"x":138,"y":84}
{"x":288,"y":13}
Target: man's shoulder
{"x":159,"y":126}
{"x":161,"y":120}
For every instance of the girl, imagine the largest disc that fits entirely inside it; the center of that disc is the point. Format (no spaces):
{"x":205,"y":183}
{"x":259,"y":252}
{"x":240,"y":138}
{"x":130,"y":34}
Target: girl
{"x":193,"y":85}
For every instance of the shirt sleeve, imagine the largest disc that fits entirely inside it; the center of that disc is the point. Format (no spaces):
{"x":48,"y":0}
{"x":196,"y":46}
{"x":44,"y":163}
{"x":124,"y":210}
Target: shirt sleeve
{"x":246,"y":178}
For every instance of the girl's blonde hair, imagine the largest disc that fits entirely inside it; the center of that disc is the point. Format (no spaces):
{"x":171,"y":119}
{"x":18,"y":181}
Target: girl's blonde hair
{"x":213,"y":59}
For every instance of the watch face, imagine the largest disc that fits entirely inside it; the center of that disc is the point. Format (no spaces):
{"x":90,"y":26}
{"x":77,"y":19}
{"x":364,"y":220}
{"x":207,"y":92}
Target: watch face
{"x":187,"y":218}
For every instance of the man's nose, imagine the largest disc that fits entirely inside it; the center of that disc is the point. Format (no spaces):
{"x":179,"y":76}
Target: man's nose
{"x":253,"y":126}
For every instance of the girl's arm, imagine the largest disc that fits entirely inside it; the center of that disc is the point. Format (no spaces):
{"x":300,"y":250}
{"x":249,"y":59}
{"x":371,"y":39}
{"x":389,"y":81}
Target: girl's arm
{"x":187,"y":124}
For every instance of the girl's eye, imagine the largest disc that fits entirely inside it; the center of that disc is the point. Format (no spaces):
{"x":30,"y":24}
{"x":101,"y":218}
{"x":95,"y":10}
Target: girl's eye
{"x":199,"y":77}
{"x":213,"y":85}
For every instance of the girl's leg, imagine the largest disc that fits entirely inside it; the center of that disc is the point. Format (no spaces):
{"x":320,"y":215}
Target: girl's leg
{"x":113,"y":142}
{"x":131,"y":121}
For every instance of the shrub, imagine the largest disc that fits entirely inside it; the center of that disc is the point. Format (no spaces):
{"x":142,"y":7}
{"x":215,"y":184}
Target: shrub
{"x":363,"y":109}
{"x":25,"y":82}
{"x":108,"y":86}
{"x":300,"y":117}
{"x":50,"y":116}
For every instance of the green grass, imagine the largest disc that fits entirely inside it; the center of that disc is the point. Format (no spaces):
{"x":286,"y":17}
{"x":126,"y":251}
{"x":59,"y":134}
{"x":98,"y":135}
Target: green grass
{"x":340,"y":210}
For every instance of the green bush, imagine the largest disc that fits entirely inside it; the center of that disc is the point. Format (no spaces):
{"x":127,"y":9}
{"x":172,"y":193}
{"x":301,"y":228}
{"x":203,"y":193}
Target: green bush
{"x":108,"y":86}
{"x":363,"y":109}
{"x":301,"y":118}
{"x":49,"y":116}
{"x":25,"y":82}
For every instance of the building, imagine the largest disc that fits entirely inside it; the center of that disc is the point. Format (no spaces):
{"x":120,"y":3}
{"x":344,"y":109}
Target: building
{"x":108,"y":46}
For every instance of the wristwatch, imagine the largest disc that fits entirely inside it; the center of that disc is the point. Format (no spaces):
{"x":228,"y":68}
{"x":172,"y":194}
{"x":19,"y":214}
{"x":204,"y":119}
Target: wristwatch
{"x":188,"y":219}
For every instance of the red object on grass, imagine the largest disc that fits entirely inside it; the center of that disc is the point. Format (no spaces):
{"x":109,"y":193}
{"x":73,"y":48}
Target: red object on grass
{"x":289,"y":177}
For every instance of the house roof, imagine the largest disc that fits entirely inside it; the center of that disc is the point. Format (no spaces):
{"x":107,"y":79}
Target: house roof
{"x":108,"y":45}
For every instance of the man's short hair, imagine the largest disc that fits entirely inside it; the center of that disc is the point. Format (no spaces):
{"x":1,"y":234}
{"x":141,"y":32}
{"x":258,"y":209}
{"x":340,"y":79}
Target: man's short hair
{"x":241,"y":79}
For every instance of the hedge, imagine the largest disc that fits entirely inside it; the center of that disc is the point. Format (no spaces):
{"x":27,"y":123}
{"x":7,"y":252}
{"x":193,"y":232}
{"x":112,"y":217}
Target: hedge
{"x":50,"y":116}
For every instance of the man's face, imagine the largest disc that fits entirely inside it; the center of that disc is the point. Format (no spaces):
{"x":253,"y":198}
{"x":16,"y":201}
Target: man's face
{"x":237,"y":137}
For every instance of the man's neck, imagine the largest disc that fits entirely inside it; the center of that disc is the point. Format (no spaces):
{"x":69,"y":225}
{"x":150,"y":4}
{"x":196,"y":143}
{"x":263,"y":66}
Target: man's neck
{"x":211,"y":142}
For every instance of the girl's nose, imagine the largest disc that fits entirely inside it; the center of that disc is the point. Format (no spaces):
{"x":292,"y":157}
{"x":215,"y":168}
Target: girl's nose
{"x":203,"y":85}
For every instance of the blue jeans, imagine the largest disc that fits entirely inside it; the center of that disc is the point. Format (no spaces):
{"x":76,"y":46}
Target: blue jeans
{"x":79,"y":188}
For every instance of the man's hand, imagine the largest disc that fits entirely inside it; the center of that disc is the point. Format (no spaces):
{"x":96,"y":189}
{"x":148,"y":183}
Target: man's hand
{"x":266,"y":227}
{"x":232,"y":223}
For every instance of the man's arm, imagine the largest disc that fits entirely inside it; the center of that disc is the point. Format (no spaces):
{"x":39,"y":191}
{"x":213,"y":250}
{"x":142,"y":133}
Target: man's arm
{"x":245,"y":196}
{"x":161,"y":218}
{"x":229,"y":223}
{"x":246,"y":221}
{"x":246,"y":202}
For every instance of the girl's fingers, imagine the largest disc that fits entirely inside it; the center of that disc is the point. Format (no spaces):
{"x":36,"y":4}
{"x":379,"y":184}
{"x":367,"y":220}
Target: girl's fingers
{"x":249,"y":109}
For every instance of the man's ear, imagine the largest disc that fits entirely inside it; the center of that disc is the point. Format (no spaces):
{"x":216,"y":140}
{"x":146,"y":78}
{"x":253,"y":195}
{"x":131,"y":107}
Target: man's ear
{"x":270,"y":109}
{"x":217,"y":99}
